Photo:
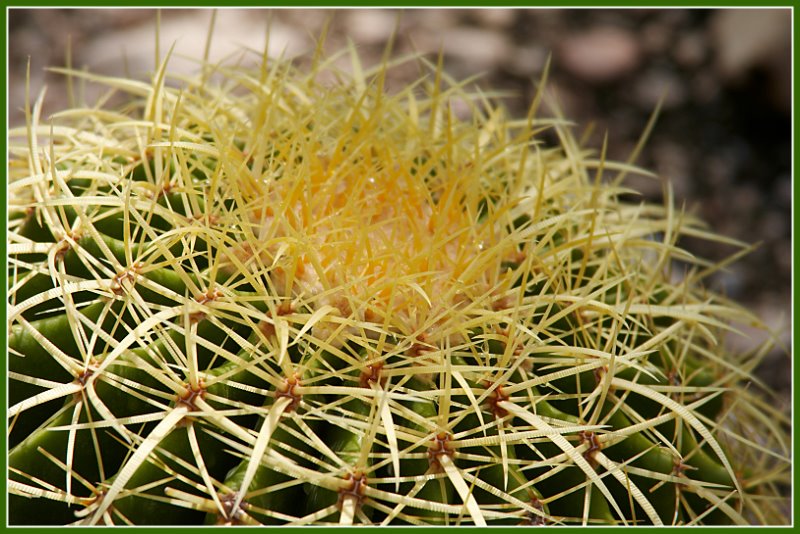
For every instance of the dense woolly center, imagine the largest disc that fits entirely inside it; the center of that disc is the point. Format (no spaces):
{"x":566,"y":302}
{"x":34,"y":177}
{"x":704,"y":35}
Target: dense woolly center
{"x":368,"y":235}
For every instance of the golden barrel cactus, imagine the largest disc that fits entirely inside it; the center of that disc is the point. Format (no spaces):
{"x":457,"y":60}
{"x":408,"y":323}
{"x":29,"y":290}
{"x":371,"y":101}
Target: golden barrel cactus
{"x":283,"y":295}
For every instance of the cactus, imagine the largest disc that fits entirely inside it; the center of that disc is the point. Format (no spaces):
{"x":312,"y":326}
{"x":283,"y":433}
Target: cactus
{"x":287,"y":295}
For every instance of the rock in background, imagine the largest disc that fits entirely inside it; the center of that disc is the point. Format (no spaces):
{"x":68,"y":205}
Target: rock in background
{"x":723,"y":77}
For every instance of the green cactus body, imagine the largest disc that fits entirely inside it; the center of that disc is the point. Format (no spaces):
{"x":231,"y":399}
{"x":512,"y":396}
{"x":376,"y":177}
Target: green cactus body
{"x":262,"y":298}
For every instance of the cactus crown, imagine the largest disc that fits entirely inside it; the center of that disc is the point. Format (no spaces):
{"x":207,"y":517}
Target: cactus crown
{"x":284,"y":295}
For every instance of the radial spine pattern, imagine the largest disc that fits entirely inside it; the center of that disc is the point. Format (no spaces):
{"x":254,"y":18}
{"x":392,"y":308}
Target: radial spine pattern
{"x":289,"y":296}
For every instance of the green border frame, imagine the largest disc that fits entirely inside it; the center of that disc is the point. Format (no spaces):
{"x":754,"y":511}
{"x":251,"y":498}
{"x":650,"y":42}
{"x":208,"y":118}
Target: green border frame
{"x":795,"y":224}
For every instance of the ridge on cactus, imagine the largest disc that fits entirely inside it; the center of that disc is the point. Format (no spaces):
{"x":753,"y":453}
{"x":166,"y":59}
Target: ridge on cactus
{"x":287,"y":295}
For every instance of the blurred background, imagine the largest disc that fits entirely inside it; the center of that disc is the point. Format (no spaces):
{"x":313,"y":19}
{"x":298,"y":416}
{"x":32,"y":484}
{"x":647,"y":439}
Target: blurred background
{"x":723,"y":138}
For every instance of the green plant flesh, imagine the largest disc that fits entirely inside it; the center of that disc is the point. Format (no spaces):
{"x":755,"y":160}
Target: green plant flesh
{"x":290,"y":296}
